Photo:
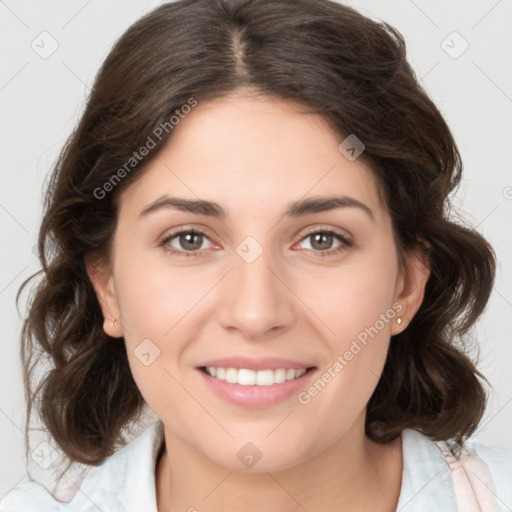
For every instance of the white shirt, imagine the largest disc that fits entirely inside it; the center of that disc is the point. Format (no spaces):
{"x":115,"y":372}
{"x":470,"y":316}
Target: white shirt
{"x":125,"y":482}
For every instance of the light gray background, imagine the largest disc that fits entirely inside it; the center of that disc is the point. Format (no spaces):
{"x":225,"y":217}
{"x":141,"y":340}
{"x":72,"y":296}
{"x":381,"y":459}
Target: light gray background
{"x":41,"y":99}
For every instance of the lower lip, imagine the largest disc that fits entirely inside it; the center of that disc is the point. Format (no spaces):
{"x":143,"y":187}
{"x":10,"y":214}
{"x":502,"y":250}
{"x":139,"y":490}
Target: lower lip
{"x":256,"y":396}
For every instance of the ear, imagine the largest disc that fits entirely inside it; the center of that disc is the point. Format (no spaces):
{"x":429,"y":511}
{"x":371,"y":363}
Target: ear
{"x":411,"y":284}
{"x":103,"y":283}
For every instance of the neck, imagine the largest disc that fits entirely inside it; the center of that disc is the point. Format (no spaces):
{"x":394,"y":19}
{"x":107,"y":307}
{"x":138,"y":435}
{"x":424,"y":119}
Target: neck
{"x":355,"y":471}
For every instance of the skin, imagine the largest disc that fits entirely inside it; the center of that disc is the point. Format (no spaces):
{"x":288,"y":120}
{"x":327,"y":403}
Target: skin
{"x":253,"y":156}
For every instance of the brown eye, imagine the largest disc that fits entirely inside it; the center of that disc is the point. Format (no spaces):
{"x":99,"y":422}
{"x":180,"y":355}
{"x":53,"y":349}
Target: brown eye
{"x":184,"y":241}
{"x":190,"y":241}
{"x":322,"y":241}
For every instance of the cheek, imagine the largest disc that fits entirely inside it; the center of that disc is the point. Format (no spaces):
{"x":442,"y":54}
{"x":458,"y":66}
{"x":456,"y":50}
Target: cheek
{"x":154,"y":307}
{"x":153,"y":296}
{"x":353,"y":296}
{"x":357,"y":305}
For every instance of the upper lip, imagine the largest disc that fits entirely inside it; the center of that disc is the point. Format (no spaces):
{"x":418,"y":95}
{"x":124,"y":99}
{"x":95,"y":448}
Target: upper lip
{"x":251,"y":363}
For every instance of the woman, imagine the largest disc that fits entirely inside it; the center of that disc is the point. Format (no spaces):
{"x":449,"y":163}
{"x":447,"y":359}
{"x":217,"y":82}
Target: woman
{"x":248,"y":233}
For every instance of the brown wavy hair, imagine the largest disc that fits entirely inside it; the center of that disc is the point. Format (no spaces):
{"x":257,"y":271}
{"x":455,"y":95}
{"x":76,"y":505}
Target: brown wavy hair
{"x":337,"y":63}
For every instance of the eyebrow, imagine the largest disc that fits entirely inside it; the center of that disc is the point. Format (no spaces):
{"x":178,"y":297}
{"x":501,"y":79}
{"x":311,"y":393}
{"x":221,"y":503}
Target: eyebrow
{"x":295,"y":209}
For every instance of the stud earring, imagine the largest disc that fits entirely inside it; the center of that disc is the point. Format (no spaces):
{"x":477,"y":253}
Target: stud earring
{"x":399,"y":320}
{"x":113,"y":322}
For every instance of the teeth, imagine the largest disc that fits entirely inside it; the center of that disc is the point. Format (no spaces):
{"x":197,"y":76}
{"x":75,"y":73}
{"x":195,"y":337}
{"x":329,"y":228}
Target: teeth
{"x":247,"y":377}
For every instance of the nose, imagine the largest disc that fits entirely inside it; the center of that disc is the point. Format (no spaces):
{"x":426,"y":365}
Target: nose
{"x":257,"y":299}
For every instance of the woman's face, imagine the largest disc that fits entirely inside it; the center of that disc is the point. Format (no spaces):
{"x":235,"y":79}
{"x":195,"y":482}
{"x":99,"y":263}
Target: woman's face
{"x":259,"y":285}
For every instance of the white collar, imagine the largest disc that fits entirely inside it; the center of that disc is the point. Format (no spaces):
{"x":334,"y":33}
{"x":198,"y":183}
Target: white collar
{"x":426,"y":477}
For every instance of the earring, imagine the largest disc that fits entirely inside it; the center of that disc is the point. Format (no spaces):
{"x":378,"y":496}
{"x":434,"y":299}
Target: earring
{"x":399,"y":320}
{"x":113,"y":322}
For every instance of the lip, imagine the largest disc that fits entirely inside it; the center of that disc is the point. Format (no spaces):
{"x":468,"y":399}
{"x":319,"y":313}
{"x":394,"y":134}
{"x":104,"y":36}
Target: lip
{"x":256,"y":397}
{"x":251,"y":363}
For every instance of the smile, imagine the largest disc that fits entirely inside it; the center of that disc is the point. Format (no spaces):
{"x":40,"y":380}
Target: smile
{"x":255,"y":389}
{"x":246,"y":377}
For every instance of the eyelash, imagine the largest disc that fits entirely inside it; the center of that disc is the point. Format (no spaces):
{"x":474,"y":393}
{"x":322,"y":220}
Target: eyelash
{"x":346,"y":243}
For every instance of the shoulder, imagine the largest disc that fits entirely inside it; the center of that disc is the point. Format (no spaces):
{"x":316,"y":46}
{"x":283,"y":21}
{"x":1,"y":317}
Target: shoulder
{"x":29,"y":497}
{"x":426,"y":478}
{"x":431,"y":471}
{"x":499,"y":462}
{"x":125,"y":482}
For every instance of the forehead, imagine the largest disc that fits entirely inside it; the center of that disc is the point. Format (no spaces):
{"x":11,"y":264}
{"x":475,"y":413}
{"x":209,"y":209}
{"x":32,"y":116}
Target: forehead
{"x":252,"y":153}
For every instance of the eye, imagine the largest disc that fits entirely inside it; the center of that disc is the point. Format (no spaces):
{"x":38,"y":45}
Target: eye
{"x":188,"y":241}
{"x":322,"y":240}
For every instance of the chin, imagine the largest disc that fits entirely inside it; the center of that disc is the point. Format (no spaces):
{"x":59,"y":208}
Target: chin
{"x":257,"y":454}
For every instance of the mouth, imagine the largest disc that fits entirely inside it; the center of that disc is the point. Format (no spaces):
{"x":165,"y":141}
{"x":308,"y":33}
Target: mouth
{"x":255,"y":383}
{"x":248,"y":377}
